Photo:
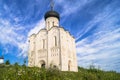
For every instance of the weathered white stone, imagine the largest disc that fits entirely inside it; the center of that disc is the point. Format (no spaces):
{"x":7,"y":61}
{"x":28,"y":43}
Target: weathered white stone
{"x":52,"y":46}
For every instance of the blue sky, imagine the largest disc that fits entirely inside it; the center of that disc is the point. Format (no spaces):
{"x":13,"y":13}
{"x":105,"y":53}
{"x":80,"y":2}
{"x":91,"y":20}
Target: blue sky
{"x":95,"y":24}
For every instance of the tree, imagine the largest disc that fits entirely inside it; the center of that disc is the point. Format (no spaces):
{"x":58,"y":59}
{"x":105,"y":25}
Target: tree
{"x":16,"y":64}
{"x":24,"y":62}
{"x":7,"y":62}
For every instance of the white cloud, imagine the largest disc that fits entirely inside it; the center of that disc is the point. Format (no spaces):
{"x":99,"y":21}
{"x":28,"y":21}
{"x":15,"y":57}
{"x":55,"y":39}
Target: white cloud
{"x":36,"y":29}
{"x":70,"y":8}
{"x":103,"y":42}
{"x":102,"y":47}
{"x":106,"y":16}
{"x":9,"y":35}
{"x":24,"y":47}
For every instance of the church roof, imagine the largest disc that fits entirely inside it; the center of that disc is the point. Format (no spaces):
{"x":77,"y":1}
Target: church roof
{"x":52,"y":13}
{"x":1,"y":57}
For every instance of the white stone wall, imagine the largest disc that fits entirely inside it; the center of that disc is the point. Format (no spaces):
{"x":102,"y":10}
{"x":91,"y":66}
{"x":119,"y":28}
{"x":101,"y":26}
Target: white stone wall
{"x":31,"y":52}
{"x":41,"y":47}
{"x":53,"y":46}
{"x":68,"y":51}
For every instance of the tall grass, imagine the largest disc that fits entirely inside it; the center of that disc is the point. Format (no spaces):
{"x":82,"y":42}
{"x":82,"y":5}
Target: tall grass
{"x":16,"y":72}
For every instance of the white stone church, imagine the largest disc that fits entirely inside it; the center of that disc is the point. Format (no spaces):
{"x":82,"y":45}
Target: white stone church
{"x":52,"y":46}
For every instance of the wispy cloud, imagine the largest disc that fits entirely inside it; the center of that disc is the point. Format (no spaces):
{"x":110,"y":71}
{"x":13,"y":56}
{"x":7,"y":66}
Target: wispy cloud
{"x":103,"y":45}
{"x":14,"y":27}
{"x":99,"y":21}
{"x":36,"y":29}
{"x":70,"y":8}
{"x":9,"y":34}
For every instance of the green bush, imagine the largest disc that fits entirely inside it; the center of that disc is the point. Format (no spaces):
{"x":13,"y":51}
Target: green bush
{"x":7,"y":62}
{"x":17,"y":72}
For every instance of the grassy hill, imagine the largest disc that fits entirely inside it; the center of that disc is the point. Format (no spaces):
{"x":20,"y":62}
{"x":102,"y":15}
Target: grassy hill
{"x":16,"y":72}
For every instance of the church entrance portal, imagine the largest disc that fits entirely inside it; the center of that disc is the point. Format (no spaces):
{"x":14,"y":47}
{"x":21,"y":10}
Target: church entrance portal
{"x":42,"y":63}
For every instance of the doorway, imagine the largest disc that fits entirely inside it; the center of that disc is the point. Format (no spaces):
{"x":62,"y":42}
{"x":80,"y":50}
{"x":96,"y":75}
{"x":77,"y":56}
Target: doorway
{"x":42,"y":64}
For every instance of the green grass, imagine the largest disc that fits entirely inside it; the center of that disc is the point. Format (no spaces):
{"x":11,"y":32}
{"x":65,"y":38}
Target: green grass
{"x":16,"y":72}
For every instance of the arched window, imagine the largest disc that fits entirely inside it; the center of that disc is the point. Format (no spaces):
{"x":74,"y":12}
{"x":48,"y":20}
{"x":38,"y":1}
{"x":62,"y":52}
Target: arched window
{"x":53,"y":23}
{"x":43,"y":43}
{"x":55,"y":39}
{"x":54,"y":66}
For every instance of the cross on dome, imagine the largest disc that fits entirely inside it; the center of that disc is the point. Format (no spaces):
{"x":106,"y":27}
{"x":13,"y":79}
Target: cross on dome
{"x":52,"y":4}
